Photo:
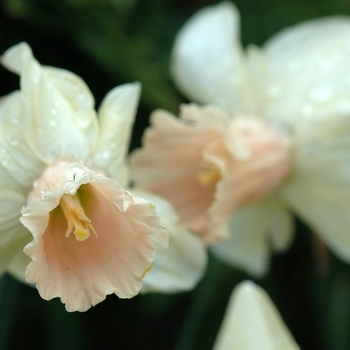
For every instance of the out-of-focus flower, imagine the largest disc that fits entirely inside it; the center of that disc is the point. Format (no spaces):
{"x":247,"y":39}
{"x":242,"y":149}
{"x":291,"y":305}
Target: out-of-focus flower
{"x":284,"y":143}
{"x":89,"y":237}
{"x":208,"y":165}
{"x":252,"y":322}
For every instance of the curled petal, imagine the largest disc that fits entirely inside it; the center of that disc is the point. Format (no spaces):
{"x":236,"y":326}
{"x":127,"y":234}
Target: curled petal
{"x":254,"y":160}
{"x":82,"y":268}
{"x":180,"y":266}
{"x":57,"y":115}
{"x":252,"y":322}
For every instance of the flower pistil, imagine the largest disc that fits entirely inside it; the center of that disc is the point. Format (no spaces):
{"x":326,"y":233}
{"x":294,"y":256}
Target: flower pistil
{"x":76,"y":217}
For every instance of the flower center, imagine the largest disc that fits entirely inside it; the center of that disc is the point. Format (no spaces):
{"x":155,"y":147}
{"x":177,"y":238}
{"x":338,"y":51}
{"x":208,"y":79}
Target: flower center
{"x":77,"y":220}
{"x":208,"y":174}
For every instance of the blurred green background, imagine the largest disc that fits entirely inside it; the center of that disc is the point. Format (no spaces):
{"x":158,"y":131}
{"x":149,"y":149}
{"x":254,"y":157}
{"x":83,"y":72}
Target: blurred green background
{"x":110,"y":42}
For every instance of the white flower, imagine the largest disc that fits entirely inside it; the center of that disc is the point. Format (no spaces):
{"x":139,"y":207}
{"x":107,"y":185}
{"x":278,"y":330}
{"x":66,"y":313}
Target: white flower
{"x":252,"y":322}
{"x":88,"y":236}
{"x":296,"y":87}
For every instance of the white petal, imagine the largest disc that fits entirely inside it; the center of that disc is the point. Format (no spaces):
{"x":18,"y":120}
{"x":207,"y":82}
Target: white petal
{"x":208,"y":63}
{"x":16,"y":57}
{"x":180,"y":266}
{"x":13,"y":236}
{"x":57,"y":118}
{"x":252,"y":322}
{"x":116,"y":117}
{"x":18,"y":265}
{"x":321,"y":146}
{"x":252,"y":230}
{"x":309,"y":69}
{"x":18,"y":164}
{"x":325,"y":208}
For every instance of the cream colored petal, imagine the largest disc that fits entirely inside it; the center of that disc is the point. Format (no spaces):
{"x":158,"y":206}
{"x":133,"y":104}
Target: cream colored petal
{"x":169,"y":164}
{"x":13,"y":236}
{"x":321,"y":147}
{"x":82,"y":272}
{"x":252,"y":231}
{"x":252,"y":322}
{"x":116,"y":117}
{"x":179,"y":266}
{"x":57,"y":115}
{"x":18,"y":165}
{"x":16,"y":57}
{"x":325,"y":208}
{"x":309,"y":70}
{"x":208,"y":64}
{"x":18,"y":265}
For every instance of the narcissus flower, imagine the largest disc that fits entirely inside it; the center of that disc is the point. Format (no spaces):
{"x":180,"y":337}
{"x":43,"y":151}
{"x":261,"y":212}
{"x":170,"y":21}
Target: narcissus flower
{"x":89,"y":236}
{"x":277,"y":138}
{"x":252,"y":322}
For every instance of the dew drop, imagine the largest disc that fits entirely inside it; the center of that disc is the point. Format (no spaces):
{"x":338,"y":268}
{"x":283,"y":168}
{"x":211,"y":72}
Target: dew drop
{"x":14,"y":141}
{"x":87,"y":177}
{"x":307,"y":109}
{"x":273,"y":91}
{"x":321,"y":93}
{"x":106,"y":154}
{"x":84,"y":100}
{"x":85,"y":121}
{"x":53,"y":111}
{"x":53,"y":122}
{"x":69,"y":187}
{"x":325,"y":64}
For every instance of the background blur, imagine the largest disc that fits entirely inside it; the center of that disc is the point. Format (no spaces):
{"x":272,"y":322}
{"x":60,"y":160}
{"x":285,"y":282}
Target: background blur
{"x":110,"y":42}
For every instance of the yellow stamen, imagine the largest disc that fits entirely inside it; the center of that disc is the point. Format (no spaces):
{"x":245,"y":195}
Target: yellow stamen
{"x":76,"y":218}
{"x":209,"y":175}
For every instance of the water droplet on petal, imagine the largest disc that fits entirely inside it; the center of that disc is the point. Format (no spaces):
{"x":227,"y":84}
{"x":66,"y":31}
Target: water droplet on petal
{"x":307,"y":109}
{"x":53,"y":111}
{"x":273,"y":91}
{"x":53,"y":122}
{"x":14,"y":141}
{"x":106,"y":154}
{"x":69,"y":187}
{"x":321,"y":93}
{"x":87,"y":177}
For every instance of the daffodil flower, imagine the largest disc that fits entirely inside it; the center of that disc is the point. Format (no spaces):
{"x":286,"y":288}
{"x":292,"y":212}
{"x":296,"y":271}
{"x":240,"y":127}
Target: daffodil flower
{"x":252,"y":322}
{"x":272,"y":139}
{"x":84,"y":235}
